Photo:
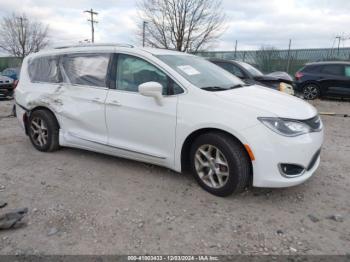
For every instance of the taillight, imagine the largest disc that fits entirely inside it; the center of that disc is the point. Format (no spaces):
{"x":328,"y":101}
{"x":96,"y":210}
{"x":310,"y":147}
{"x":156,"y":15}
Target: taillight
{"x":15,"y":83}
{"x":298,"y":75}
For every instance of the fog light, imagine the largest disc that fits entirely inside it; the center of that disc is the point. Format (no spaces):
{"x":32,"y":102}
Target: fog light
{"x":291,"y":170}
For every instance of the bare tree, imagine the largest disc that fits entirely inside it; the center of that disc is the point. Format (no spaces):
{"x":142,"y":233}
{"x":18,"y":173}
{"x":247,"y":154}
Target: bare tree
{"x":184,"y":25}
{"x":21,"y":36}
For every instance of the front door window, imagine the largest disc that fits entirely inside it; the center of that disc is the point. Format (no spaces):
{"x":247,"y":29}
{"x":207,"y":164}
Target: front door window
{"x":133,"y":71}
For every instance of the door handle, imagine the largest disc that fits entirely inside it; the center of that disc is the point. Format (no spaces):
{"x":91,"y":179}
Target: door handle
{"x":97,"y":100}
{"x":115,"y":103}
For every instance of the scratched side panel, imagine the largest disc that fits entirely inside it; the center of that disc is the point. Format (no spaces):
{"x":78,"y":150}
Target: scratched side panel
{"x":83,"y":113}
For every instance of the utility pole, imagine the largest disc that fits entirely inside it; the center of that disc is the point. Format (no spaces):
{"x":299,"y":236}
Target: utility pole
{"x":92,"y":13}
{"x":21,"y":26}
{"x":339,"y":39}
{"x":144,"y":33}
{"x":22,"y":38}
{"x":288,"y":55}
{"x":236,"y":48}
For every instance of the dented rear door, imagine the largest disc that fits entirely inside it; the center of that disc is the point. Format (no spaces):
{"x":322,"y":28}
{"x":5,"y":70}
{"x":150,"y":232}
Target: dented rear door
{"x":83,"y":94}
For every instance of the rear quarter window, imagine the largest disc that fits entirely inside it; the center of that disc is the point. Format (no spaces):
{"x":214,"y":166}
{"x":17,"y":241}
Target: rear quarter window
{"x":336,"y":70}
{"x":85,"y":69}
{"x":312,"y":69}
{"x":347,"y":70}
{"x":44,"y":69}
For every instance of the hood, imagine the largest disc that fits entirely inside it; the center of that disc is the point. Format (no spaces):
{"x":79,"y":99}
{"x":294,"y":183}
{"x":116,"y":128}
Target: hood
{"x":268,"y":100}
{"x":5,"y":80}
{"x":282,"y":76}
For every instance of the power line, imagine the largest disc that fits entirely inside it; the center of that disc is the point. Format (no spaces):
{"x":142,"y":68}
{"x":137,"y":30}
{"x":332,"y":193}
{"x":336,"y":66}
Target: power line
{"x":92,"y":13}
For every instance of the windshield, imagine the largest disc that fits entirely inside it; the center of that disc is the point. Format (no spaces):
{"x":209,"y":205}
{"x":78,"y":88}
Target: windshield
{"x":251,"y":69}
{"x":201,"y":72}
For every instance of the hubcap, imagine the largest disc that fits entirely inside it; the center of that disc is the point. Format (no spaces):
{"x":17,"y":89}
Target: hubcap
{"x":310,"y":92}
{"x":38,"y":131}
{"x":211,"y":166}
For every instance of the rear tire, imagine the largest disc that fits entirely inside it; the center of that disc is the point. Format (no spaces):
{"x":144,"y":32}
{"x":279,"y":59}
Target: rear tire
{"x":220,"y":164}
{"x":43,"y":131}
{"x":311,"y":91}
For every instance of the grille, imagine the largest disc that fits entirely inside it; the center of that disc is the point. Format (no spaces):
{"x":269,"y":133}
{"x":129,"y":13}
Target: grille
{"x":6,"y":87}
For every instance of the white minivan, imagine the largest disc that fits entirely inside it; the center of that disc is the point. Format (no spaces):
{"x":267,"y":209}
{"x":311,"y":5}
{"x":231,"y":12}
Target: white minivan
{"x":171,"y":109}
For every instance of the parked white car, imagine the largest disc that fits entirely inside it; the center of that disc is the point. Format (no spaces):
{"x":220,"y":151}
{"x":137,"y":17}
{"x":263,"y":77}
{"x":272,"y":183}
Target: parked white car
{"x":170,"y":109}
{"x":6,"y":86}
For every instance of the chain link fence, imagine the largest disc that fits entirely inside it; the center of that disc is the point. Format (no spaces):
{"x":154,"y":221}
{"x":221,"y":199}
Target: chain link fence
{"x":266,"y":60}
{"x":282,"y":60}
{"x":6,"y":62}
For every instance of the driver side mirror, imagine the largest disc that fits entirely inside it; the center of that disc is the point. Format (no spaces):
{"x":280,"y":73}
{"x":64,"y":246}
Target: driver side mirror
{"x":152,"y":89}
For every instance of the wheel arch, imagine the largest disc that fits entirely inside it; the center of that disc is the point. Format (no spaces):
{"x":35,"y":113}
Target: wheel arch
{"x":308,"y":82}
{"x":313,"y":82}
{"x":186,"y":146}
{"x":27,"y":116}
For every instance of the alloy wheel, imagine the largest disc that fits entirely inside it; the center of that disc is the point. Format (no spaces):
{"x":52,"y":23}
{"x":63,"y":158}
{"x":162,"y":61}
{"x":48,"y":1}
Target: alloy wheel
{"x":211,"y":166}
{"x":39,"y":131}
{"x":310,"y":92}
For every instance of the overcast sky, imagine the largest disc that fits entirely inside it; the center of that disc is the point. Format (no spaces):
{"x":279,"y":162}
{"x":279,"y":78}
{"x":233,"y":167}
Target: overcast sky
{"x":309,"y":23}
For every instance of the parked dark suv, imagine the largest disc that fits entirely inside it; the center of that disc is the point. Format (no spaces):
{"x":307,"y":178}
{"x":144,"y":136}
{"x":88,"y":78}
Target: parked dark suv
{"x":324,"y":79}
{"x":250,"y":75}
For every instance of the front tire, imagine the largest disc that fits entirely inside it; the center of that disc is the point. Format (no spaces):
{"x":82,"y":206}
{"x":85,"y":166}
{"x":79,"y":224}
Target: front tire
{"x":311,"y":91}
{"x":220,"y":164}
{"x":43,"y":131}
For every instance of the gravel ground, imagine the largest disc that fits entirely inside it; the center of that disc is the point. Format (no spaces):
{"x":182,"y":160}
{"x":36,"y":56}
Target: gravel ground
{"x":87,"y":203}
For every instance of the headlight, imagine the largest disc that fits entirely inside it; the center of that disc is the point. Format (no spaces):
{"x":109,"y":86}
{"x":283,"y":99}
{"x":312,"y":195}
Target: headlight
{"x":286,"y":88}
{"x":285,"y":127}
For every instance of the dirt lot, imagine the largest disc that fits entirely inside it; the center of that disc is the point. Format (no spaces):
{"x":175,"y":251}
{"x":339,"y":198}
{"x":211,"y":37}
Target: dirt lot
{"x":86,"y":203}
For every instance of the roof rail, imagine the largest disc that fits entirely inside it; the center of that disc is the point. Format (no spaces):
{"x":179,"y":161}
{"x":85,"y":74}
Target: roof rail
{"x":91,"y":45}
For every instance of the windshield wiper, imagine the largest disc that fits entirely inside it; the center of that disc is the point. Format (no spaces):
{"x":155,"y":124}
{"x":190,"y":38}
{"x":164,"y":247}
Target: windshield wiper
{"x":214,"y":88}
{"x":218,"y":88}
{"x":238,"y":86}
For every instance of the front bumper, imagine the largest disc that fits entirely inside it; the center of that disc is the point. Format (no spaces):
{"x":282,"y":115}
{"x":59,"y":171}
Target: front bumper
{"x":271,"y":150}
{"x":298,"y":86}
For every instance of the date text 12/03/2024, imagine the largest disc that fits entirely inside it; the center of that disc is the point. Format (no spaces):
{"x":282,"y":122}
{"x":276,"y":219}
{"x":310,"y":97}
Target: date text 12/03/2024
{"x":173,"y":258}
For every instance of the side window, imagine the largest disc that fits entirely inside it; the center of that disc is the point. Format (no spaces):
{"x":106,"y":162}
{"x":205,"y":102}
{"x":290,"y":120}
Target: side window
{"x":7,"y":72}
{"x":226,"y":66}
{"x":337,"y":70}
{"x":44,"y":69}
{"x":347,"y":71}
{"x":231,"y":68}
{"x":133,"y":71}
{"x":85,"y":69}
{"x":311,"y":69}
{"x":237,"y":71}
